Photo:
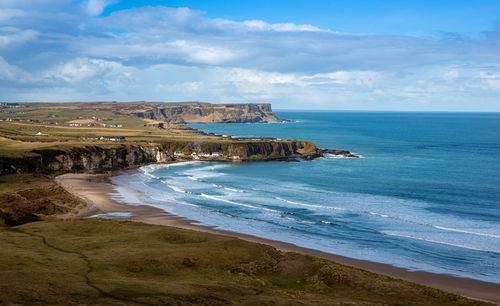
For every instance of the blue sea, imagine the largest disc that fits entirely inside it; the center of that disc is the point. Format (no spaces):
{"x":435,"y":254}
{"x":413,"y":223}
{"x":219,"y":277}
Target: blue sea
{"x":424,"y":196}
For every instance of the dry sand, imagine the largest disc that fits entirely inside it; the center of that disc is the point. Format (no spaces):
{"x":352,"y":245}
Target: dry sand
{"x":95,"y":189}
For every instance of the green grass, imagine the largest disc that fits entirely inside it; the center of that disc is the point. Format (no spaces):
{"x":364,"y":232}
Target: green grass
{"x":120,"y":262}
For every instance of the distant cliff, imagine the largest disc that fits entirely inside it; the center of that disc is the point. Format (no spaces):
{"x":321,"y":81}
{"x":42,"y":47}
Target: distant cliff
{"x":197,"y":112}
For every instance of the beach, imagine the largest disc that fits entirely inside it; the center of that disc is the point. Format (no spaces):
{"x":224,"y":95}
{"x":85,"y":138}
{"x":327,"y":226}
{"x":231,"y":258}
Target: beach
{"x":95,"y":190}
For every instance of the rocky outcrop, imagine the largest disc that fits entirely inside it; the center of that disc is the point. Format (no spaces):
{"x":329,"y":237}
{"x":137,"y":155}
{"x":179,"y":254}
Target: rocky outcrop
{"x":196,"y":112}
{"x":341,"y":153}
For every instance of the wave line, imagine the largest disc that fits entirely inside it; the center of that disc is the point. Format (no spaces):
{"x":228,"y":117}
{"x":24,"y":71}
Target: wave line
{"x":441,"y":242}
{"x":464,"y":231}
{"x":237,"y":203}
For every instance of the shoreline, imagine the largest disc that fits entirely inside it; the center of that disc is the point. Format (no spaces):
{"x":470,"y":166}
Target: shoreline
{"x":95,"y":189}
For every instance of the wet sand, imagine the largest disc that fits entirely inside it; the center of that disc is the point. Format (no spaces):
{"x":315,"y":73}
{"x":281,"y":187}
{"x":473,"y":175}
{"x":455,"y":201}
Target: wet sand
{"x":95,"y":190}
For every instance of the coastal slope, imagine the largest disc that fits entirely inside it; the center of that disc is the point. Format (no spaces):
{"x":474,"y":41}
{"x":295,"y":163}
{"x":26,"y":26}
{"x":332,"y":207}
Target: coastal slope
{"x":92,"y":261}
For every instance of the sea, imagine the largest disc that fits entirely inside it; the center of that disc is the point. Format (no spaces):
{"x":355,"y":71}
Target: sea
{"x":425,"y":194}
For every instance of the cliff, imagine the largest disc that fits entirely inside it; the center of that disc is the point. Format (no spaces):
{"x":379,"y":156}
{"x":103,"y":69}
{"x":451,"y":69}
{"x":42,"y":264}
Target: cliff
{"x":91,"y":158}
{"x":196,"y":112}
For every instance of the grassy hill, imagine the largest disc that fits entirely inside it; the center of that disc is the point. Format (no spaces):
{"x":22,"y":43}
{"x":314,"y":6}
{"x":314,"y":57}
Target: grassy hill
{"x":121,"y":262}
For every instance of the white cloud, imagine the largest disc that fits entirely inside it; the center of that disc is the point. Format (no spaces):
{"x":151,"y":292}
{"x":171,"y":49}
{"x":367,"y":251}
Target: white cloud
{"x":355,"y":77}
{"x":96,"y":7}
{"x":7,"y":14}
{"x":185,"y":51}
{"x":260,"y":77}
{"x":260,"y":25}
{"x":490,"y":80}
{"x":90,"y":77}
{"x":189,"y":90}
{"x":451,"y":75}
{"x":10,"y":72}
{"x":199,"y":53}
{"x":10,"y":35}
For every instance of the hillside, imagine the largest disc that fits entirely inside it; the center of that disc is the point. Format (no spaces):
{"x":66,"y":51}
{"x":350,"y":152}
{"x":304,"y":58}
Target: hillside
{"x":127,"y":263}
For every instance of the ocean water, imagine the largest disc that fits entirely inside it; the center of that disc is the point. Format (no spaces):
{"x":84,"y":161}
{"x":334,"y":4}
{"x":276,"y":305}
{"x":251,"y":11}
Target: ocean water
{"x":425,"y":195}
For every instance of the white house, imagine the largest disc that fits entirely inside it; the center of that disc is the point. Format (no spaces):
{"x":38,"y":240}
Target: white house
{"x":38,"y":134}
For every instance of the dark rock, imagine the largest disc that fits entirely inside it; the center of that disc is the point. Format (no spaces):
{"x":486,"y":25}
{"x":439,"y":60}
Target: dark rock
{"x":337,"y":152}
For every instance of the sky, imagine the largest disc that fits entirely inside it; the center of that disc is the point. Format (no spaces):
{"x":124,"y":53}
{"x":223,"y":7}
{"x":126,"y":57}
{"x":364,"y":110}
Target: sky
{"x":317,"y":54}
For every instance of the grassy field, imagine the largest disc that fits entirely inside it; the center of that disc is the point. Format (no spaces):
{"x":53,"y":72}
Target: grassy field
{"x":120,"y":262}
{"x":53,"y":119}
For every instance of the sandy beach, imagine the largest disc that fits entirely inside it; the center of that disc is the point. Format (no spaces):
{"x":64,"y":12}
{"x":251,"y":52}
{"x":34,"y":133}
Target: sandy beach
{"x":95,"y":190}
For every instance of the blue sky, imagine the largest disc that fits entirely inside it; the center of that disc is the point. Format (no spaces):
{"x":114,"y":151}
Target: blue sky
{"x":347,"y":55}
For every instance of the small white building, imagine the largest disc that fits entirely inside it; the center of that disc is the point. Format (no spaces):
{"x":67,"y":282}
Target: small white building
{"x":38,"y":134}
{"x":178,"y":153}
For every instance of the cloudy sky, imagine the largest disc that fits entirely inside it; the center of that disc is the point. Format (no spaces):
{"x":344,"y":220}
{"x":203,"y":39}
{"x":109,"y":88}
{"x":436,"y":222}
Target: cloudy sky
{"x":344,"y":55}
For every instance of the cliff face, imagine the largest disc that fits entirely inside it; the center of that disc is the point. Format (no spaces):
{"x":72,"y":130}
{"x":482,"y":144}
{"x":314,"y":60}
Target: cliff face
{"x":91,"y":158}
{"x":82,"y":159}
{"x":195,"y":112}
